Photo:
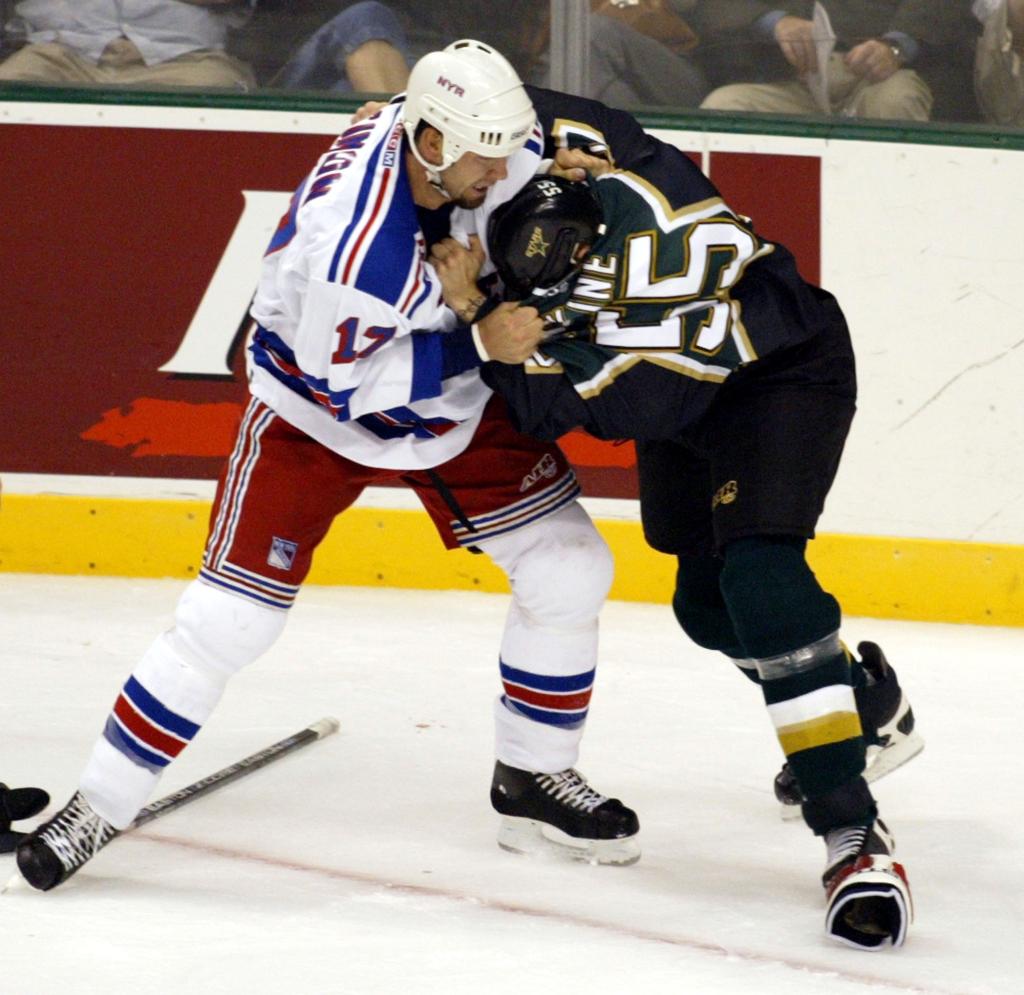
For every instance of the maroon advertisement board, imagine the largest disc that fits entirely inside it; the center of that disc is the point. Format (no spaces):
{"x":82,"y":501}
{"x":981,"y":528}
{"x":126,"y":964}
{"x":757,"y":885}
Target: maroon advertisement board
{"x":112,"y":238}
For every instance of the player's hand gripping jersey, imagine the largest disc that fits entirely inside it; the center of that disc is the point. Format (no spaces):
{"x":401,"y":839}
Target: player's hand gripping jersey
{"x":677,"y":294}
{"x":351,"y":344}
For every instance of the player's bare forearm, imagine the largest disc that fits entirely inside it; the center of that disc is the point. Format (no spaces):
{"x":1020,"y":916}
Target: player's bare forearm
{"x":511,"y":333}
{"x":367,"y":110}
{"x":458,"y":269}
{"x":467,"y":308}
{"x":574,"y":164}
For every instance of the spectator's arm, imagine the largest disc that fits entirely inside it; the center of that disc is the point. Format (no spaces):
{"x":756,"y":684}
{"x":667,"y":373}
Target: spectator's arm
{"x":795,"y":37}
{"x":874,"y":60}
{"x":766,"y":23}
{"x":907,"y":46}
{"x":1015,"y":22}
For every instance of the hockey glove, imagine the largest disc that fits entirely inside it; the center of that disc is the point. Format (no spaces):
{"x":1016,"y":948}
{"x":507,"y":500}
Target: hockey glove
{"x":16,"y":804}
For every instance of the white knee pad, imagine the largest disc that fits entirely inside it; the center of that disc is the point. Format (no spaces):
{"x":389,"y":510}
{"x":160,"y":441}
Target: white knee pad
{"x":215,"y":634}
{"x":560,"y":569}
{"x":222,"y":632}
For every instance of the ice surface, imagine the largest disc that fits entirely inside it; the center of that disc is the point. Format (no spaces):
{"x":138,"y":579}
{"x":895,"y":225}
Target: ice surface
{"x":366,"y":863}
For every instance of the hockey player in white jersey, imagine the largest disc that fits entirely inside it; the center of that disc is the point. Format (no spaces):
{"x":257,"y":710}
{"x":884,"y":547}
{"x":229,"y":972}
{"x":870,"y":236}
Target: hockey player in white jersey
{"x":362,"y":373}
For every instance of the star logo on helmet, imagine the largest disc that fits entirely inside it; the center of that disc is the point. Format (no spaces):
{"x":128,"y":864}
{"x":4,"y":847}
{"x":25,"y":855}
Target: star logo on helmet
{"x":537,"y":246}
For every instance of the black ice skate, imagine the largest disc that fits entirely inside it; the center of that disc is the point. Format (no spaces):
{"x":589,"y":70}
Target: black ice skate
{"x":59,"y":848}
{"x":562,"y":809}
{"x":867,"y":893}
{"x":888,"y":723}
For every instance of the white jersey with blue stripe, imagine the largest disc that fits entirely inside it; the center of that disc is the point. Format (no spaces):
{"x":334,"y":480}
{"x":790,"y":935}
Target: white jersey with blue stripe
{"x":350,"y":314}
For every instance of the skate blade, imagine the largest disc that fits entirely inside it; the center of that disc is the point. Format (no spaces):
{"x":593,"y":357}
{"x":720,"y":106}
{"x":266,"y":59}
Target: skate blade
{"x":887,"y":760}
{"x":884,"y":762}
{"x":15,"y":883}
{"x":537,"y":839}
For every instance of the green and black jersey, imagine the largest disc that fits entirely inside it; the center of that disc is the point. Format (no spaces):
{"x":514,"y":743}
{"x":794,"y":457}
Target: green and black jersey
{"x":678,"y":293}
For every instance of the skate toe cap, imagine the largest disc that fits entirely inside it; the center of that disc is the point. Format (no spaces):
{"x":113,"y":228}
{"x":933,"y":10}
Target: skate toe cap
{"x":616,"y":821}
{"x":39,"y":865}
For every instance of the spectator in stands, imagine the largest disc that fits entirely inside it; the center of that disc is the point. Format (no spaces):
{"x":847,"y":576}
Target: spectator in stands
{"x":367,"y":46}
{"x":635,"y":61}
{"x":997,"y":69}
{"x":339,"y":47}
{"x":361,"y":48}
{"x":129,"y":42}
{"x":896,"y":59}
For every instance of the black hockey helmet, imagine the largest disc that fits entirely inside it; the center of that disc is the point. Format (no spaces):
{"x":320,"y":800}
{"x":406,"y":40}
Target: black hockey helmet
{"x":533,"y":239}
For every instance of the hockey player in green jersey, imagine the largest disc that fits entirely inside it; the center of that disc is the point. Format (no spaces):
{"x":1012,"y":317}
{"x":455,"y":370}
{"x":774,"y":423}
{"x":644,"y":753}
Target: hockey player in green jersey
{"x":675,"y":324}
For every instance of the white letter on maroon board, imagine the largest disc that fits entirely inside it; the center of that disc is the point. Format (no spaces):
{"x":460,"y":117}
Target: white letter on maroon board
{"x":204,"y":349}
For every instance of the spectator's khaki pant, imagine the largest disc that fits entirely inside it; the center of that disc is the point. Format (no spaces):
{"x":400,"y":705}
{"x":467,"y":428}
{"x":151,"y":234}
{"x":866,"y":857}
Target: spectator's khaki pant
{"x":904,"y":96}
{"x":121,"y":64}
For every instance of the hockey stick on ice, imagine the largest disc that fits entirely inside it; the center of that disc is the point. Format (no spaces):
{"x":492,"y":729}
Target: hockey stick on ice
{"x":233,"y":772}
{"x":312,"y":733}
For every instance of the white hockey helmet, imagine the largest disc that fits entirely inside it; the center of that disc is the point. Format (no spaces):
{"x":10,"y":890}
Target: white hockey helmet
{"x":471,"y":94}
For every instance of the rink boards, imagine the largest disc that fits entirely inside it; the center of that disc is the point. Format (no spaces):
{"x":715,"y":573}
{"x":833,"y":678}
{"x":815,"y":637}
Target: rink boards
{"x":132,"y":249}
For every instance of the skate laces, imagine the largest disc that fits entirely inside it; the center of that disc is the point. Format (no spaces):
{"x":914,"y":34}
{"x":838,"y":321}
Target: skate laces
{"x":844,"y":844}
{"x":849,"y":842}
{"x":570,"y":788}
{"x":77,"y":833}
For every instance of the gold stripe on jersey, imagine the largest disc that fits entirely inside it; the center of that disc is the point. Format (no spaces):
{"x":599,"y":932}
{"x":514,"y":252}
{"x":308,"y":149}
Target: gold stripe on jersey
{"x":607,"y":375}
{"x":833,"y":728}
{"x":689,"y":367}
{"x":564,"y":127}
{"x":614,"y":368}
{"x":668,"y":217}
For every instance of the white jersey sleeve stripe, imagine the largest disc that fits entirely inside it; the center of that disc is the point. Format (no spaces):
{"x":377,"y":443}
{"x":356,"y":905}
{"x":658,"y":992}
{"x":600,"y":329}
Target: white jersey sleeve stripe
{"x":357,"y":227}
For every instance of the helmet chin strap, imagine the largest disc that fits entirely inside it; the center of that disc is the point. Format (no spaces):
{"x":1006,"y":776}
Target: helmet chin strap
{"x":434,"y":171}
{"x":434,"y":179}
